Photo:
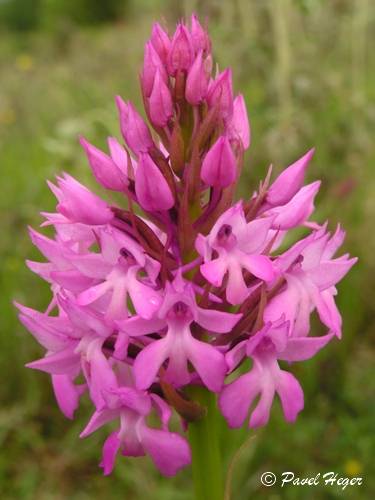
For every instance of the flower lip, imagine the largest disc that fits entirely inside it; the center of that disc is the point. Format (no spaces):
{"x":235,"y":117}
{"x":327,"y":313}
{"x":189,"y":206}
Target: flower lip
{"x":225,"y":237}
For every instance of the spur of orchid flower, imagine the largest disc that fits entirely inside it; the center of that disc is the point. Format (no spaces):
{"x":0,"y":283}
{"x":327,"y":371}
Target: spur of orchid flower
{"x":155,"y":302}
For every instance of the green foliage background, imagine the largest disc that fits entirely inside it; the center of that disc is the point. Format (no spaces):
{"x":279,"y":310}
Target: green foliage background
{"x":305,"y":69}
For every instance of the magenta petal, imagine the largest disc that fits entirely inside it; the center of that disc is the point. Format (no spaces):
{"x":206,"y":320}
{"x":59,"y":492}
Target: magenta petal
{"x":327,"y":310}
{"x":290,"y":394}
{"x":236,"y":398}
{"x":261,"y":414}
{"x":208,"y":361}
{"x":169,"y":451}
{"x":137,"y":326}
{"x":214,"y":271}
{"x":67,"y":394}
{"x":146,"y":301}
{"x":302,"y":348}
{"x":59,"y":363}
{"x":98,"y":419}
{"x":237,"y":290}
{"x":253,"y":236}
{"x":163,"y":409}
{"x":110,"y":449}
{"x":235,"y":355}
{"x":216,"y":321}
{"x":45,"y":335}
{"x":259,"y":265}
{"x":148,"y":362}
{"x":330,"y":273}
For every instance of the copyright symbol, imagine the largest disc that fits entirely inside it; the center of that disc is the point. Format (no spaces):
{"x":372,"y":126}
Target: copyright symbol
{"x":268,"y":478}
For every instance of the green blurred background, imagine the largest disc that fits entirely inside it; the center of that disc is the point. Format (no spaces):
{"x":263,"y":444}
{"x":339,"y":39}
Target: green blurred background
{"x":305,"y":69}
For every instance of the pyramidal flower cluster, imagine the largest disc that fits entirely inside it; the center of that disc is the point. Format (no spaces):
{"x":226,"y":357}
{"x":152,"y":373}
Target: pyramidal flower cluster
{"x":181,"y":284}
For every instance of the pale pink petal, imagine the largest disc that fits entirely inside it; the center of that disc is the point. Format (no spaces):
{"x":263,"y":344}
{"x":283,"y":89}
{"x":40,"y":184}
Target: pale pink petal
{"x":169,"y":451}
{"x":60,"y":363}
{"x":258,"y":265}
{"x":216,"y":321}
{"x":253,"y":238}
{"x":290,"y":394}
{"x":148,"y":362}
{"x":302,"y":348}
{"x":331,"y":272}
{"x":236,"y":398}
{"x":237,"y":290}
{"x":208,"y":361}
{"x":110,"y":449}
{"x":98,"y":419}
{"x":235,"y":355}
{"x":214,"y":271}
{"x":67,"y":394}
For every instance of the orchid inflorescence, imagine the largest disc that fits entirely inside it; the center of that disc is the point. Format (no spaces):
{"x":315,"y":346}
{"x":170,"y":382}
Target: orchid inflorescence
{"x":147,"y":306}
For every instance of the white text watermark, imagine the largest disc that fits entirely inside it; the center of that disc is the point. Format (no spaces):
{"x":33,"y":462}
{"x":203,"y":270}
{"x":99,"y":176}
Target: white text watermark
{"x":326,"y":478}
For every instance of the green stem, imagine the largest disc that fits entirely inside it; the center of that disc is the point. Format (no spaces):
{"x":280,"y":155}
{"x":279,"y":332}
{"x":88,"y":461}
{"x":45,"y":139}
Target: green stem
{"x":204,"y":442}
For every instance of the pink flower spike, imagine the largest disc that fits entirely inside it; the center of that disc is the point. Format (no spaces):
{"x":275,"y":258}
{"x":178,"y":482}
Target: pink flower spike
{"x":181,"y":53}
{"x":151,"y":188}
{"x":105,"y":170}
{"x":78,"y":204}
{"x":289,"y":182}
{"x":197,"y":81}
{"x":160,"y":102}
{"x":133,"y":128}
{"x":219,"y":167}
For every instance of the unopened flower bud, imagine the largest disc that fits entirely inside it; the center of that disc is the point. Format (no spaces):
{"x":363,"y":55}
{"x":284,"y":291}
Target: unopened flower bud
{"x":182,"y":53}
{"x":289,"y":181}
{"x":152,"y":190}
{"x":106,"y":171}
{"x":160,"y":102}
{"x":151,"y":64}
{"x":219,"y":165}
{"x":133,"y":128}
{"x":239,"y":127}
{"x":221,"y":91}
{"x":197,"y":82}
{"x":199,"y":36}
{"x":160,"y":41}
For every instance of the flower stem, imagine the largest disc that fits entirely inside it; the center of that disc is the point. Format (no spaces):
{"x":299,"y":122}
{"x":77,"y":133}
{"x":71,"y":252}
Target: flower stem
{"x":204,"y":442}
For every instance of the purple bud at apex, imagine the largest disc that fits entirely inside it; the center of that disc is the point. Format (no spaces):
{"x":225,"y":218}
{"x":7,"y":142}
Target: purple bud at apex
{"x":199,"y":36}
{"x":160,"y":41}
{"x":197,"y":82}
{"x":219,"y":165}
{"x":221,"y":91}
{"x":182,"y":53}
{"x":133,"y":128}
{"x":160,"y":102}
{"x":151,"y":64}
